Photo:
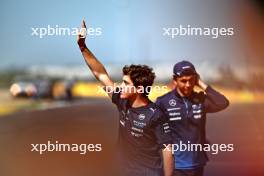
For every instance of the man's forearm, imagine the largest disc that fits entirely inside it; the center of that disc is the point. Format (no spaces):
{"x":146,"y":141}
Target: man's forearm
{"x":94,"y":64}
{"x":202,"y":85}
{"x":215,"y":101}
{"x":168,"y":162}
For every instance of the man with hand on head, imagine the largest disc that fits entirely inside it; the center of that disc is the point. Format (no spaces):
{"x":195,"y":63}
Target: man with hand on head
{"x":143,"y":127}
{"x":186,"y":110}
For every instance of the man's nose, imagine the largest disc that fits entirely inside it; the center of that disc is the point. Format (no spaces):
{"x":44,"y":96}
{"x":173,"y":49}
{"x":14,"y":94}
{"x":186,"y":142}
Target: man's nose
{"x":188,"y":84}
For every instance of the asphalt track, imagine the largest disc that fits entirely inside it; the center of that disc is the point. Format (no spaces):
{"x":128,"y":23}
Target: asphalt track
{"x":96,"y":122}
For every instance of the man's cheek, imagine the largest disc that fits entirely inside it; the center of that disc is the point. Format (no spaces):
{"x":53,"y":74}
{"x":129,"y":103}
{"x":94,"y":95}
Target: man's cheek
{"x":193,"y":82}
{"x":180,"y":86}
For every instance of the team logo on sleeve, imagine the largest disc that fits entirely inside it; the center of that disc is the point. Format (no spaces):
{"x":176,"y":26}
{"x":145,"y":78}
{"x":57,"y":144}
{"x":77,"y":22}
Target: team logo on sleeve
{"x":172,"y":102}
{"x":152,"y":109}
{"x":141,"y":117}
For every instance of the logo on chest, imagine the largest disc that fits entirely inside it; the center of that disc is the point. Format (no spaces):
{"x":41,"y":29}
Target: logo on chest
{"x":172,"y":102}
{"x":197,"y":111}
{"x":141,"y":116}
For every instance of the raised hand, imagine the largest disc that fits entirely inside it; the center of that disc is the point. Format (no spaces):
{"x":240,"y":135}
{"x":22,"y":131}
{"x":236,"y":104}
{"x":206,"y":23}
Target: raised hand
{"x":200,"y":83}
{"x":81,"y":37}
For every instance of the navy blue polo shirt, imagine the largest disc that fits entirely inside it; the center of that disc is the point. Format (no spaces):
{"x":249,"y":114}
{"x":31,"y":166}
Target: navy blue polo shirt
{"x":142,"y":133}
{"x":187,"y":117}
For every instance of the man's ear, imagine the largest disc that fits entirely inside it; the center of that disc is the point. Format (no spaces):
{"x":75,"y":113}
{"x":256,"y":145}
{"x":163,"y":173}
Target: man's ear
{"x":172,"y":84}
{"x":174,"y":80}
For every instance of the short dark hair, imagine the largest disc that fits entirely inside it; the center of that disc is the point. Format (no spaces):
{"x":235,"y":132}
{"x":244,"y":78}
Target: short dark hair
{"x":141,"y":75}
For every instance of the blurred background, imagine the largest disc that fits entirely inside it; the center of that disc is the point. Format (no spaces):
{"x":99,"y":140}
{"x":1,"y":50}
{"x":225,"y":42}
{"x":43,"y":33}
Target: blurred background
{"x":47,"y":91}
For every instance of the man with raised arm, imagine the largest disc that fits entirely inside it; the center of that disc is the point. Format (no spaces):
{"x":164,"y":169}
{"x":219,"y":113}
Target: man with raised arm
{"x":143,"y":128}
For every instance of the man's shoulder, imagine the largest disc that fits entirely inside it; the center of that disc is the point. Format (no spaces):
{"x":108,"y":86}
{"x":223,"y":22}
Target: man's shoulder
{"x":155,"y":109}
{"x":157,"y":113}
{"x":165,"y":97}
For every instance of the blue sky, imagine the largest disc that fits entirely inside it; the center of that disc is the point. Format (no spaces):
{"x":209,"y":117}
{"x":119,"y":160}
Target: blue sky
{"x":131,"y":31}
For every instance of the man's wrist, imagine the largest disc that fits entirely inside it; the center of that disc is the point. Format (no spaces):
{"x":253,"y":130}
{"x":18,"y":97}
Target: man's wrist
{"x":82,"y":47}
{"x":202,"y":85}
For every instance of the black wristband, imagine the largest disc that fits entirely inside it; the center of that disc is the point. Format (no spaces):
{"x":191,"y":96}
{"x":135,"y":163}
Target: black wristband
{"x":82,"y":47}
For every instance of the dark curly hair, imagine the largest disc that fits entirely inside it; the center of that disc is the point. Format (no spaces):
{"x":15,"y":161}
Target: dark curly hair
{"x":141,"y":75}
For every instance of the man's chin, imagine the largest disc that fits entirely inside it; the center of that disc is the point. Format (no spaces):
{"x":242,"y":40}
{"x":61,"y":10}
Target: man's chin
{"x":187,"y":93}
{"x":122,"y":96}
